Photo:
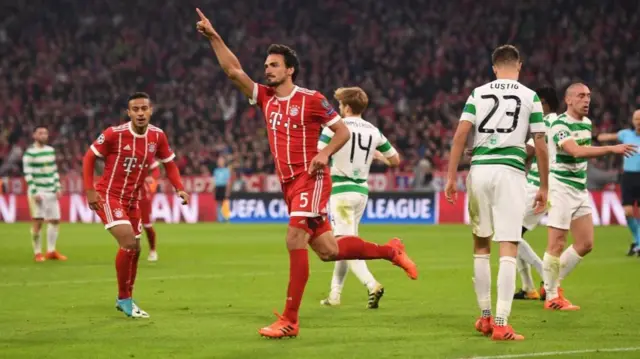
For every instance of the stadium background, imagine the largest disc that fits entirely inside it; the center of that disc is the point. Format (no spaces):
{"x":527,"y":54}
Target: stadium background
{"x":72,"y":70}
{"x":71,"y":64}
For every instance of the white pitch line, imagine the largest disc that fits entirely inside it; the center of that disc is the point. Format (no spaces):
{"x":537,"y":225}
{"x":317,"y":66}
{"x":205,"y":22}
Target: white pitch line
{"x":559,"y":352}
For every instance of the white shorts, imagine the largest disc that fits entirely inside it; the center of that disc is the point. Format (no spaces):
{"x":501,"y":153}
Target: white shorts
{"x":566,"y":204}
{"x":346,"y":212}
{"x":47,"y":209}
{"x":497,"y":202}
{"x":531,"y":219}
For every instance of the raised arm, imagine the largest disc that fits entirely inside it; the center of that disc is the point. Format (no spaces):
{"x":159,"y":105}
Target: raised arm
{"x":228,"y":61}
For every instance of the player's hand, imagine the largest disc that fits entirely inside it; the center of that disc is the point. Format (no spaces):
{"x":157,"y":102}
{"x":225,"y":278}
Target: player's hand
{"x":450,"y":192}
{"x":94,"y":200}
{"x":149,"y":180}
{"x":37,"y":198}
{"x":319,"y":162}
{"x":626,"y":150}
{"x":204,"y":26}
{"x":184,"y":196}
{"x":468,"y":152}
{"x":540,"y":201}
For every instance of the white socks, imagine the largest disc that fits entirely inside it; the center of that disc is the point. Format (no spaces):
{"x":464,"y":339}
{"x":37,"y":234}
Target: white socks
{"x":337,"y":281}
{"x":52,"y":237}
{"x":524,"y":269}
{"x":529,"y":255}
{"x":359,"y":268}
{"x":482,"y":282}
{"x":568,"y":262}
{"x":506,"y":289}
{"x":35,"y":241}
{"x":551,"y":266}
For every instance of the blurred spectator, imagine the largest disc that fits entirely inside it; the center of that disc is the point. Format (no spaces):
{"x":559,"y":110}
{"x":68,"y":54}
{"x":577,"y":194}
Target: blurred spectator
{"x":74,"y":65}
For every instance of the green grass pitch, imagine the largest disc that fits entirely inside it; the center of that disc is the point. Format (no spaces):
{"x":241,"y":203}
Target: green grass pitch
{"x":216,"y":284}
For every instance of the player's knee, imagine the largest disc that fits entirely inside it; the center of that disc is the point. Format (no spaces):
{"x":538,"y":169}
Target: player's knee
{"x":584,"y":247}
{"x":557,"y":242}
{"x":54,"y":222}
{"x":329,"y":252}
{"x":298,"y":233}
{"x":481,"y":245}
{"x":628,"y":211}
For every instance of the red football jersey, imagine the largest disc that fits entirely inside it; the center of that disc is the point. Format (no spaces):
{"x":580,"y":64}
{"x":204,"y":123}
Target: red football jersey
{"x":294,"y":124}
{"x":128,"y":156}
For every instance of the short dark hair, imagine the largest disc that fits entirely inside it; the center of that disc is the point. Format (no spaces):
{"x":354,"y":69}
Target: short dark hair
{"x":550,"y":96}
{"x":37,"y":127}
{"x":137,"y":95}
{"x":290,"y":57}
{"x":505,"y":54}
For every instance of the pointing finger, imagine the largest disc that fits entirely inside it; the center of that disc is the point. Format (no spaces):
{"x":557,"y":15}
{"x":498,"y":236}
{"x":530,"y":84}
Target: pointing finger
{"x":202,"y":17}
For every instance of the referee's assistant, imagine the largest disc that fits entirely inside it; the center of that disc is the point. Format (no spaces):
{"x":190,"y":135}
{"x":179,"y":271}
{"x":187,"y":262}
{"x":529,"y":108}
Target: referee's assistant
{"x":630,"y":179}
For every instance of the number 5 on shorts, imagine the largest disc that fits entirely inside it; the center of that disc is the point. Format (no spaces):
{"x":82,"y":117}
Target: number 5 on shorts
{"x":304,"y":199}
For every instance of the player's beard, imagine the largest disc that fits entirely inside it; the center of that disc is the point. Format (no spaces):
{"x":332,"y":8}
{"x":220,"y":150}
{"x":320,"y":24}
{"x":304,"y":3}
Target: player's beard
{"x":274,"y":83}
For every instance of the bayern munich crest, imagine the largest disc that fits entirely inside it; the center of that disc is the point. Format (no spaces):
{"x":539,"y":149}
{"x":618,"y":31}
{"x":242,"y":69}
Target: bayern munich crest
{"x":152,"y":147}
{"x":294,"y":110}
{"x":118,"y":213}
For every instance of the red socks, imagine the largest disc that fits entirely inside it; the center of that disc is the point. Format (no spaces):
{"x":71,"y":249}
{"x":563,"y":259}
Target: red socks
{"x":352,"y":247}
{"x":134,"y":272}
{"x":125,"y":260}
{"x":151,"y":237}
{"x":298,"y":276}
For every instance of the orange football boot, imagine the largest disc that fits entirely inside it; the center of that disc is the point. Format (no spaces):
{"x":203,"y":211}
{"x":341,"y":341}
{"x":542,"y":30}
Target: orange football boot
{"x":402,"y":260}
{"x":560,"y":303}
{"x":55,"y":255}
{"x":282,"y":328}
{"x":505,"y":332}
{"x":39,"y":257}
{"x":485,"y":325}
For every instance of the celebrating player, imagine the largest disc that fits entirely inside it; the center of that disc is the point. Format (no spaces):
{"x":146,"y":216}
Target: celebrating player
{"x":349,"y":193}
{"x":43,"y":182}
{"x":146,"y":195}
{"x":630,"y":179}
{"x":127,"y":150}
{"x":527,"y":257}
{"x":294,"y":117}
{"x":570,"y":146}
{"x":502,"y":112}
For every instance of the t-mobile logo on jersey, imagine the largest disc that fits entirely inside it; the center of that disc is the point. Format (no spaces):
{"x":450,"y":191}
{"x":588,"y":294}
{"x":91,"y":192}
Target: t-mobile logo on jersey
{"x":275,"y":118}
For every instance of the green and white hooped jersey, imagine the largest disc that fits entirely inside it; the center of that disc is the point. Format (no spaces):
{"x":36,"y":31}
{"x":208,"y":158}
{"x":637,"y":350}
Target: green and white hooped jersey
{"x":503,"y":112}
{"x":565,"y":168}
{"x":351,"y":164}
{"x":40,"y":169}
{"x":533,"y":176}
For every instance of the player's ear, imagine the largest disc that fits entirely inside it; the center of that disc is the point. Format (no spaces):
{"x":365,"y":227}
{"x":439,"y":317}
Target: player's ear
{"x":495,"y":71}
{"x":519,"y":66}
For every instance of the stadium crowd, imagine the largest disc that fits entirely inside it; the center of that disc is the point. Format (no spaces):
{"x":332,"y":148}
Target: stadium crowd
{"x":70,"y":64}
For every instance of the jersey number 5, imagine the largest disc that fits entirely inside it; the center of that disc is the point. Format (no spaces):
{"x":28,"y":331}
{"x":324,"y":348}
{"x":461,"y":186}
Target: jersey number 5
{"x":366,"y":148}
{"x":496,"y":102}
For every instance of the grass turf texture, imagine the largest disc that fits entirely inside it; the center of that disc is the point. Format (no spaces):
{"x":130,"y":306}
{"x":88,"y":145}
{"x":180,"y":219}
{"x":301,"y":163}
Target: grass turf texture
{"x":216,"y":284}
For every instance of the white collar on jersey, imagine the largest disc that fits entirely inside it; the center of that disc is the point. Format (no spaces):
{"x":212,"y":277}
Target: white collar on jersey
{"x":134,"y":132}
{"x":289,"y":96}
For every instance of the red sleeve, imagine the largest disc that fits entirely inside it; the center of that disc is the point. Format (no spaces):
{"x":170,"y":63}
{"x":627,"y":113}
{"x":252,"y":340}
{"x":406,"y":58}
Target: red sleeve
{"x":164,"y":153}
{"x":173,"y":174}
{"x":260,"y":93}
{"x":88,"y":167}
{"x":102,"y":144}
{"x":322,"y":111}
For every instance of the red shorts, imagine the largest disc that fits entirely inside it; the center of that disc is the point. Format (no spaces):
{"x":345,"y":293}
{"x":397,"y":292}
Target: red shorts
{"x":307,"y":198}
{"x":145,"y":212}
{"x":114,"y":213}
